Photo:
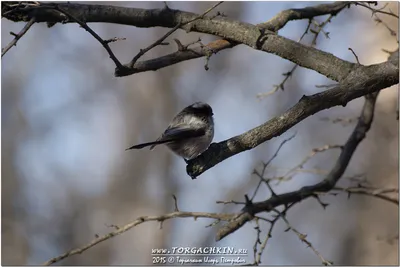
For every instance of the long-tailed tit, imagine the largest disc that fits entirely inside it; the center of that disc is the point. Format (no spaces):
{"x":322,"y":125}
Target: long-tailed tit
{"x":190,"y":132}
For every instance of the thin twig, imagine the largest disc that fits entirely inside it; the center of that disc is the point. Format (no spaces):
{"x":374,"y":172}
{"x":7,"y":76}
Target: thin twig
{"x":257,"y":259}
{"x":94,"y":34}
{"x":160,"y":40}
{"x":302,"y":238}
{"x":287,"y":74}
{"x":17,"y":36}
{"x":329,"y":182}
{"x":354,"y":53}
{"x":116,"y":227}
{"x":391,"y":31}
{"x":374,"y":10}
{"x":268,"y":236}
{"x":265,"y":165}
{"x":313,"y":43}
{"x":320,"y":29}
{"x":230,"y":202}
{"x":140,"y":220}
{"x":258,"y":232}
{"x":377,"y":192}
{"x":114,"y":39}
{"x":175,"y":203}
{"x":287,"y":175}
{"x":156,"y":43}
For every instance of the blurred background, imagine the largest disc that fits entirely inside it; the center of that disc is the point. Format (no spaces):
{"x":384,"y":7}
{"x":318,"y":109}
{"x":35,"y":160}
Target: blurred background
{"x":66,"y":121}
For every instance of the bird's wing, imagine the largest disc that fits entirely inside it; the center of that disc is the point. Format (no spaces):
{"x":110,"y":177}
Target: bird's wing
{"x":178,"y":133}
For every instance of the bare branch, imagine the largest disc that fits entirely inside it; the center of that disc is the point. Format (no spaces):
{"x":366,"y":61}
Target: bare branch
{"x":230,"y":202}
{"x":17,"y":36}
{"x":326,"y":185}
{"x":354,"y":53}
{"x":140,"y":220}
{"x":374,"y":10}
{"x":265,"y":165}
{"x":94,"y":34}
{"x":287,"y":74}
{"x":303,"y":238}
{"x":257,"y":258}
{"x":115,"y":39}
{"x":257,"y":37}
{"x":313,"y":43}
{"x":160,"y":40}
{"x":182,"y":47}
{"x":288,"y":174}
{"x":374,"y":192}
{"x":275,"y":24}
{"x":176,"y":57}
{"x":320,"y":28}
{"x":175,"y":203}
{"x":258,"y":232}
{"x":391,"y":31}
{"x":116,"y":227}
{"x":362,"y":80}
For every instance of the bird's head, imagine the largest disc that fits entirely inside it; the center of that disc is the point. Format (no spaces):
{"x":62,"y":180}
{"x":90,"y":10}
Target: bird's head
{"x":200,"y":108}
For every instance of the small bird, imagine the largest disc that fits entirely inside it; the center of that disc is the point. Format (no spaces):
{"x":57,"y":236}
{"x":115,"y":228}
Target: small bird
{"x":190,"y":132}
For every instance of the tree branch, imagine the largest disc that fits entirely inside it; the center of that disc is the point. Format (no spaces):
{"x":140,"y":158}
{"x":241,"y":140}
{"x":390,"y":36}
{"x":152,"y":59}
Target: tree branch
{"x":265,"y":165}
{"x":140,"y":220}
{"x":93,"y":33}
{"x":17,"y":36}
{"x":303,"y":238}
{"x":291,"y":172}
{"x":258,"y":254}
{"x":257,"y":37}
{"x":362,"y":81}
{"x":274,"y":24}
{"x":375,"y":192}
{"x":283,"y":17}
{"x":359,"y":133}
{"x":160,"y":40}
{"x":177,"y":57}
{"x":374,"y":10}
{"x":291,"y":72}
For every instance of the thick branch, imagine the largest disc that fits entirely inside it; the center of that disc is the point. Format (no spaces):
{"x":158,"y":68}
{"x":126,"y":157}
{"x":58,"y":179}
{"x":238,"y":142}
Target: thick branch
{"x":362,"y":81}
{"x":239,"y":32}
{"x":359,"y":133}
{"x":274,"y":24}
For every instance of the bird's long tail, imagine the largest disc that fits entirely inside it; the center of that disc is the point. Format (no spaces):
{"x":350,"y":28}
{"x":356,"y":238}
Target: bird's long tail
{"x":152,"y":144}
